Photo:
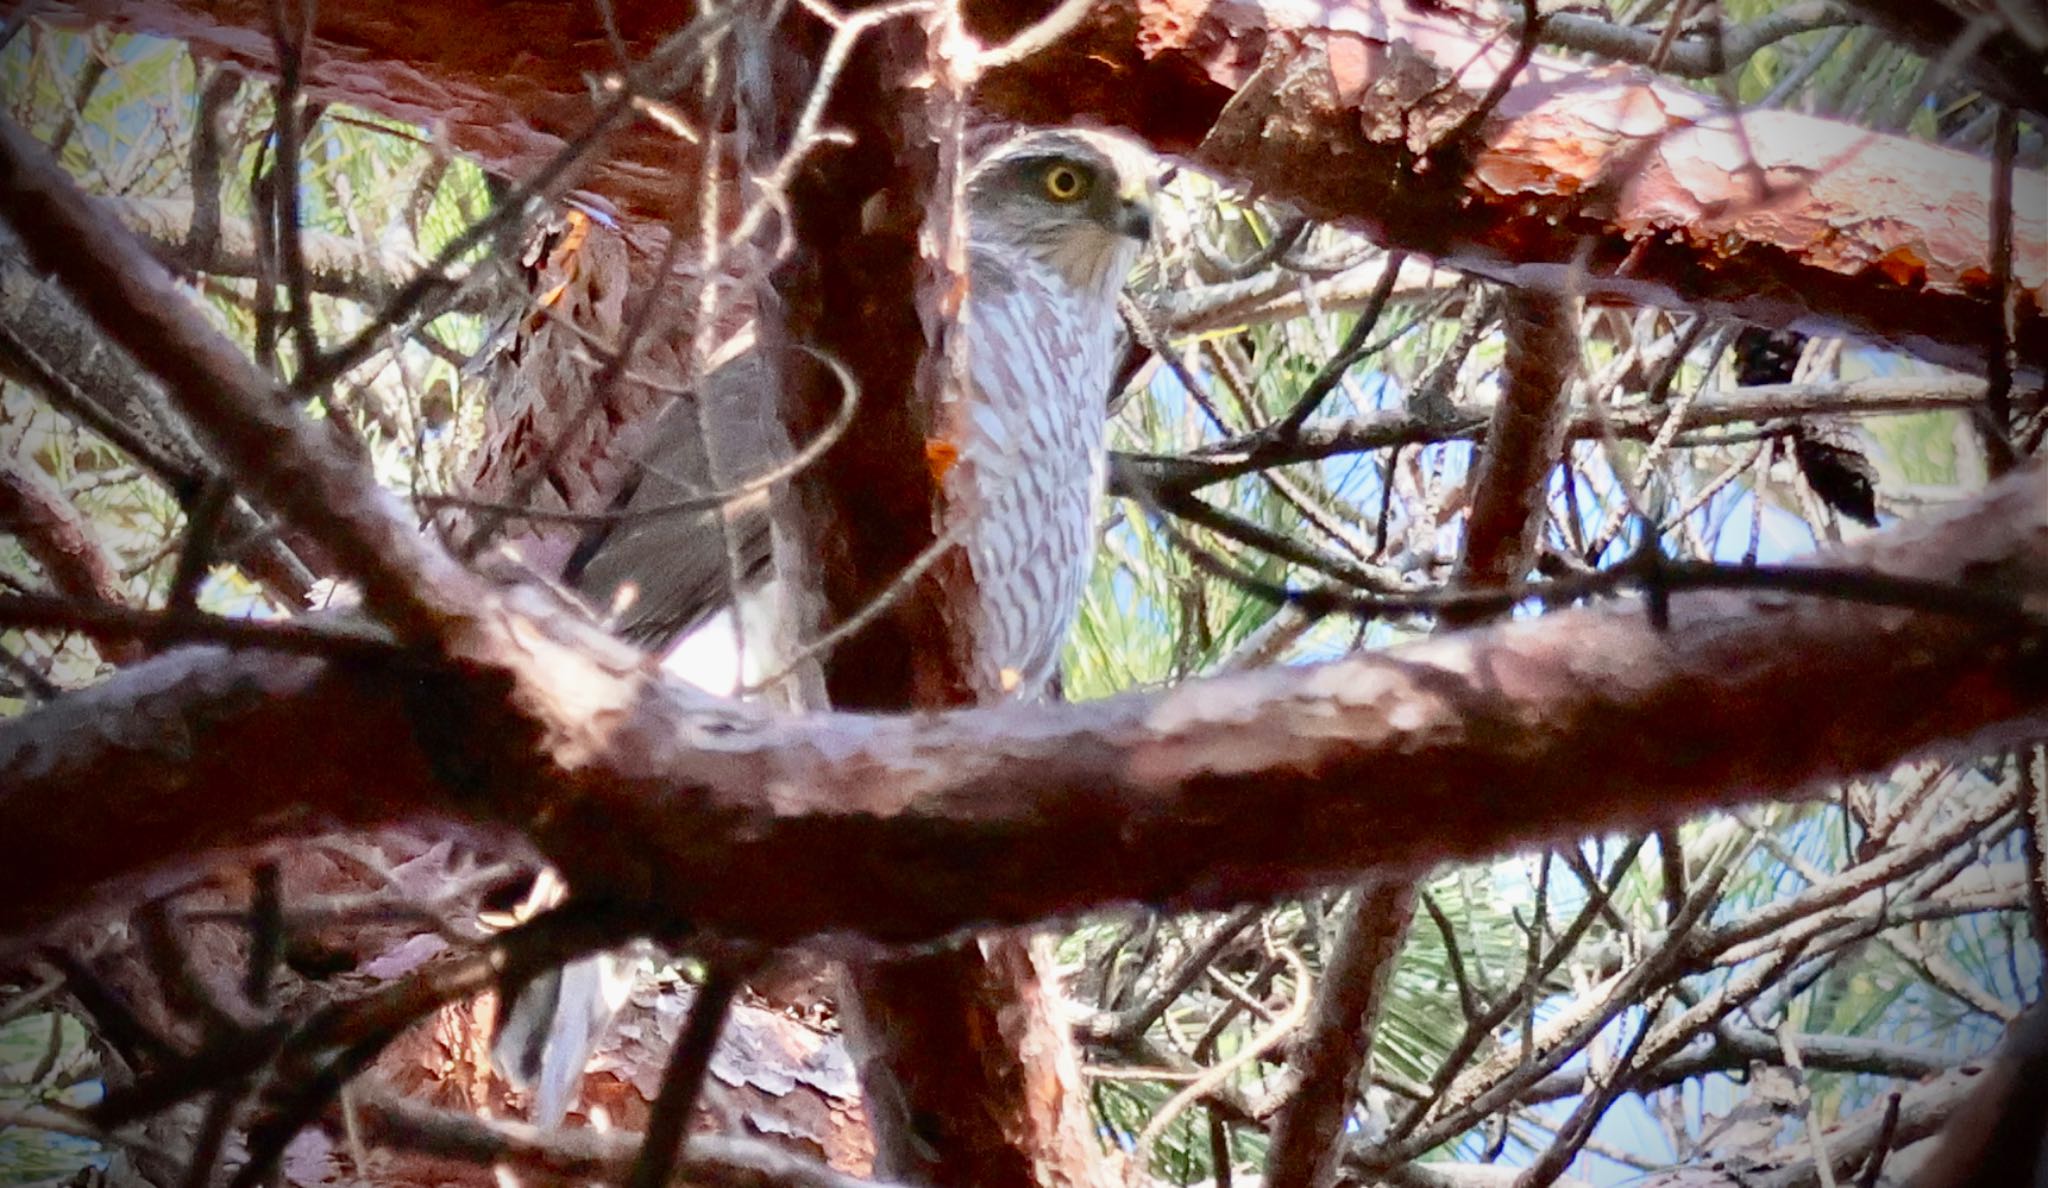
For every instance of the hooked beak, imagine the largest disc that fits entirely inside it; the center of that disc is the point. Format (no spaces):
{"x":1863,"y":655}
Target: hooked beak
{"x":1135,"y":220}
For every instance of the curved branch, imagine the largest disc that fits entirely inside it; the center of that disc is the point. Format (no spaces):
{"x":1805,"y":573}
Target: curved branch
{"x":35,"y":513}
{"x":905,"y":829}
{"x":1334,"y":108}
{"x":260,"y":440}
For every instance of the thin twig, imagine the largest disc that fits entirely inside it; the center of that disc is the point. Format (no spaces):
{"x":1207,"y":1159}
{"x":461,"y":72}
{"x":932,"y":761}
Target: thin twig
{"x":195,"y":558}
{"x":358,"y":1026}
{"x":1139,"y":1159}
{"x":1353,"y":349}
{"x":1033,"y":39}
{"x":288,"y":38}
{"x":1873,"y":1166}
{"x":888,"y":596}
{"x":675,"y":55}
{"x":668,"y":1122}
{"x":331,"y":638}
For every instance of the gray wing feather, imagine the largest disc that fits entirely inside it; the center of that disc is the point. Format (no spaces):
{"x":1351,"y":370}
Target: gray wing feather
{"x":547,"y":1034}
{"x":676,"y":562}
{"x":677,"y":567}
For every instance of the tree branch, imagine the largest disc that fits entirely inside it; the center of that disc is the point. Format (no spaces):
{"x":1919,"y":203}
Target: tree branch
{"x":905,"y":829}
{"x":1720,"y":51}
{"x":391,"y":1120}
{"x":1760,"y":404}
{"x":49,"y":529}
{"x":1173,"y":72}
{"x":1328,"y":108}
{"x":282,"y":458}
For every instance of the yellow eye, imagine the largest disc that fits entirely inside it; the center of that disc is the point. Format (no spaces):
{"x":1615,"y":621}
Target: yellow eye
{"x":1064,"y":183}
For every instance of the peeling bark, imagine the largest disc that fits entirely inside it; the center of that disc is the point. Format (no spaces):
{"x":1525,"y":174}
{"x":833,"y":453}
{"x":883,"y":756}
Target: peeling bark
{"x":1356,"y":113}
{"x":1345,"y":108}
{"x":49,"y":529}
{"x":875,"y":286}
{"x":907,"y":829}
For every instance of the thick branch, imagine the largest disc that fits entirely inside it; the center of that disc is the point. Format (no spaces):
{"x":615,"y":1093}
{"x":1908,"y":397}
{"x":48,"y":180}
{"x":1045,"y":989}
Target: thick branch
{"x":1335,"y":108}
{"x":35,"y":513}
{"x":281,"y":458}
{"x":908,"y":828}
{"x":1355,"y":113}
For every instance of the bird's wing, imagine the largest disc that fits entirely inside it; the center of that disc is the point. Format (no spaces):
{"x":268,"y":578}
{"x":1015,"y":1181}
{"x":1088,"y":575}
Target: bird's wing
{"x":663,"y":575}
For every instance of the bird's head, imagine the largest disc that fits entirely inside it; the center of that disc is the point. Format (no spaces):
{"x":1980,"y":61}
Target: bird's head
{"x":1063,"y":198}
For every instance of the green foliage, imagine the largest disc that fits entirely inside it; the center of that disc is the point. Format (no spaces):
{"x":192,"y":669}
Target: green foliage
{"x":1154,"y":617}
{"x":366,"y":184}
{"x":45,"y":1059}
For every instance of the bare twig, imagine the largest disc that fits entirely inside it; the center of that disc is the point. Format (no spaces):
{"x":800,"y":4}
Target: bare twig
{"x":1353,"y":349}
{"x":284,"y":460}
{"x":1133,"y":1022}
{"x":357,"y":1028}
{"x":1035,"y":38}
{"x":1319,"y":440}
{"x":669,"y":1120}
{"x":1690,"y":57}
{"x":789,"y":468}
{"x":389,"y":1119}
{"x":1270,"y":1037}
{"x":289,"y":33}
{"x":331,"y":638}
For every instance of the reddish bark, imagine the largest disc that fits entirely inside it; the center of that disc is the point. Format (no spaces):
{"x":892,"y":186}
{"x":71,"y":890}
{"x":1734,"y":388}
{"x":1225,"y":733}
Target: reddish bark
{"x":48,"y":528}
{"x":1523,"y":443}
{"x":909,"y":828}
{"x":1346,"y":108}
{"x":976,"y":1023}
{"x":505,"y":82}
{"x":1353,"y":110}
{"x":906,"y":829}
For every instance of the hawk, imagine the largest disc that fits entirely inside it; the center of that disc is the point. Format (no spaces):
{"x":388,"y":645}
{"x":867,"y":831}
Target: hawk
{"x":1055,"y":222}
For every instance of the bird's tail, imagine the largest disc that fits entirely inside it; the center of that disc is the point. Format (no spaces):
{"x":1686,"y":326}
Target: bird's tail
{"x":546,"y":1034}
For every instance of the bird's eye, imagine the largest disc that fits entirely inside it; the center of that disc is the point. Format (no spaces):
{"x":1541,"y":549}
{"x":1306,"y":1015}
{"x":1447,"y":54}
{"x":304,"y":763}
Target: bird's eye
{"x":1064,"y":183}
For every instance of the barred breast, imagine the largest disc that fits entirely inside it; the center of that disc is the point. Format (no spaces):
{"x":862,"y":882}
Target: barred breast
{"x":1031,"y":464}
